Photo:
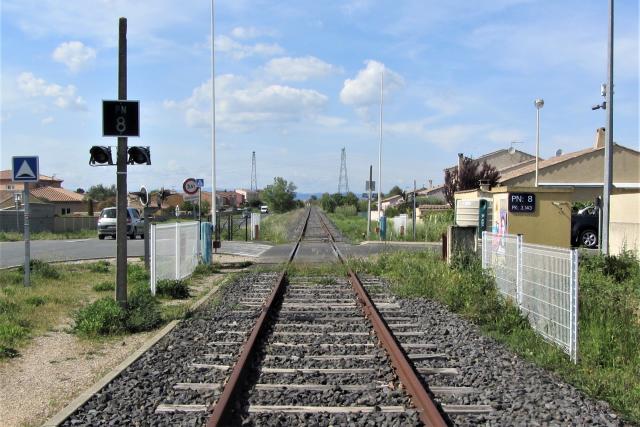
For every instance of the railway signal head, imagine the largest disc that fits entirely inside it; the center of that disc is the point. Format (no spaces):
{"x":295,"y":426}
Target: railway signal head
{"x":100,"y":156}
{"x":139,"y":155}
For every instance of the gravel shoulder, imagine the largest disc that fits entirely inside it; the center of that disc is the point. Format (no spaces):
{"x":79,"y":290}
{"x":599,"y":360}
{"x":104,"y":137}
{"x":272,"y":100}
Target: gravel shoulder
{"x":53,"y":370}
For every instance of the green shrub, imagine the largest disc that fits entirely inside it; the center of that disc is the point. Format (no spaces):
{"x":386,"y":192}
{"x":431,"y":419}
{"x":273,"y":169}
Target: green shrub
{"x":137,"y":273}
{"x":41,"y":268}
{"x":143,"y":312}
{"x":101,"y":266}
{"x":178,"y":289}
{"x":346,"y":210}
{"x":36,"y":300}
{"x":104,"y":286}
{"x":102,"y":317}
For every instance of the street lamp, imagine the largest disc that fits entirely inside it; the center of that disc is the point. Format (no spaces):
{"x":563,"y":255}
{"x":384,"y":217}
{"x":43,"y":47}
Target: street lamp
{"x":539,"y":103}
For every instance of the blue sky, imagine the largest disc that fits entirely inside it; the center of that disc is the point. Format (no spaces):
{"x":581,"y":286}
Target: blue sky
{"x":298,"y":80}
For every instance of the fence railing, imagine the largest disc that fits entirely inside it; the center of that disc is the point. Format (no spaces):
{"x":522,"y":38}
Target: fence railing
{"x":542,"y":281}
{"x":174,"y":251}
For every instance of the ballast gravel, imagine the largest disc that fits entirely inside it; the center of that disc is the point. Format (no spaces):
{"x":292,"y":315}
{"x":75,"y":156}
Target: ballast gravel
{"x":520,"y":393}
{"x":132,"y":398}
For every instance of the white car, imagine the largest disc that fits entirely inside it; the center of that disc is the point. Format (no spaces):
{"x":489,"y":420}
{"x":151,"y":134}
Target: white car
{"x":107,"y":223}
{"x":264,"y":209}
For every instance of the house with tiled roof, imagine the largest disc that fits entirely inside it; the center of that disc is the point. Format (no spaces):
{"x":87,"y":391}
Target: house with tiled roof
{"x":503,"y":159}
{"x":64,"y":201}
{"x":583,"y":170}
{"x":6,"y":183}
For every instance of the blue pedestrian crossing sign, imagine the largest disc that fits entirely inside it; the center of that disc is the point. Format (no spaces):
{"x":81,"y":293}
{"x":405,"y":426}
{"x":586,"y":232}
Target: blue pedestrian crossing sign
{"x":200,"y":182}
{"x":25,"y":169}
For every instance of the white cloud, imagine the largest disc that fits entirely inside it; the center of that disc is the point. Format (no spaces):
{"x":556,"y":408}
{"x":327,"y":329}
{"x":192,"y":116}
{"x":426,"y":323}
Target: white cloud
{"x":299,"y":69}
{"x":239,"y":50}
{"x":64,"y":97}
{"x":245,"y":33}
{"x":364,"y":90}
{"x":243,"y":104}
{"x":74,"y":54}
{"x":47,"y":120}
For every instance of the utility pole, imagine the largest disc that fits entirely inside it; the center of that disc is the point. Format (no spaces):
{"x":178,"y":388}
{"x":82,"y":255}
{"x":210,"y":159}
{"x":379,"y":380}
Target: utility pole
{"x":27,"y":237}
{"x":121,"y":176}
{"x":380,"y":151}
{"x":608,"y":146}
{"x":369,"y":201}
{"x":414,"y":210}
{"x":343,"y":181}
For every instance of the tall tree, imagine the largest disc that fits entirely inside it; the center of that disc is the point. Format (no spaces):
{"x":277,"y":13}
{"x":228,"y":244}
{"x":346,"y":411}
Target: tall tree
{"x":467,"y":177}
{"x":395,"y":191}
{"x":100,"y":192}
{"x":280,"y":196}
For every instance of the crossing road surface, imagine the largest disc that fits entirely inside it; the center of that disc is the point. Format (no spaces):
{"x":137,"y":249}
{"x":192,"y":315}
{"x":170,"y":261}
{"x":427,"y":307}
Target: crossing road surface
{"x":249,"y":249}
{"x":12,"y":253}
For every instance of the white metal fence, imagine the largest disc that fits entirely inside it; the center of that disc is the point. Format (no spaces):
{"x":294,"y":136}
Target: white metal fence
{"x":542,"y":280}
{"x":174,"y":251}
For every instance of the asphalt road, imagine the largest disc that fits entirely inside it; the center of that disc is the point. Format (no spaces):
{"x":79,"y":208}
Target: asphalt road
{"x":12,"y":253}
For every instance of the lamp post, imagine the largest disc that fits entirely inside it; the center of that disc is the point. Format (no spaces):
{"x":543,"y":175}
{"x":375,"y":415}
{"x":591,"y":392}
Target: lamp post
{"x":539,"y":103}
{"x":213,"y":128}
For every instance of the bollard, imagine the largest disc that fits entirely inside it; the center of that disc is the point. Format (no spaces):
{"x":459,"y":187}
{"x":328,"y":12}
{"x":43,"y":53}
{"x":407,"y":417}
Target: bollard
{"x":257,"y":232}
{"x":206,"y":232}
{"x":402,"y":231}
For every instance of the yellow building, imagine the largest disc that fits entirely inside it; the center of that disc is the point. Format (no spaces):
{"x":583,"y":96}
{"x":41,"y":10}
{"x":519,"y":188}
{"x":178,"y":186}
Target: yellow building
{"x":624,"y":226}
{"x":541,"y":215}
{"x":581,"y":170}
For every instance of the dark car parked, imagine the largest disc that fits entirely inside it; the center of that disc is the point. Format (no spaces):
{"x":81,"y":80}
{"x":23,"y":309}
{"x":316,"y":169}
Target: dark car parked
{"x":584,"y":228}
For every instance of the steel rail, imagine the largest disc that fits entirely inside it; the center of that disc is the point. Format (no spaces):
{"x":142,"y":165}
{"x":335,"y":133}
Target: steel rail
{"x":417,"y":388}
{"x":222,"y":409}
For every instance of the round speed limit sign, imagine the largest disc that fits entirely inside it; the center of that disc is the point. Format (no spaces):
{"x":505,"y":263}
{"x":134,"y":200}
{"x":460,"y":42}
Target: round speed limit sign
{"x":190,"y":186}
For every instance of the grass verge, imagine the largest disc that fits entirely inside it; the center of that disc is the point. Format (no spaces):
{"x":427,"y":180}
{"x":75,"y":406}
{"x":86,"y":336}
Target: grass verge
{"x":85,"y":291}
{"x":47,"y":235}
{"x":276,"y":228}
{"x":609,"y":320}
{"x":428,"y":228}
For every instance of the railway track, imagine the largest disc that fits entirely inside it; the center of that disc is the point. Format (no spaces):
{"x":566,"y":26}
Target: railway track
{"x":281,"y":350}
{"x":313,"y":354}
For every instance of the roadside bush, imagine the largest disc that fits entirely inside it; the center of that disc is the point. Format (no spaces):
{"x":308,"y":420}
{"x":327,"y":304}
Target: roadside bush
{"x":143,"y":312}
{"x":101,"y":266}
{"x":104,"y":286}
{"x":41,"y":268}
{"x":102,"y":317}
{"x":178,"y":289}
{"x":346,"y":210}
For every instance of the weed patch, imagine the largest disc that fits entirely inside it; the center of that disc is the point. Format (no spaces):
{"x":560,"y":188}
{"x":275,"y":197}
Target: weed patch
{"x":103,"y":317}
{"x":101,"y":266}
{"x":104,"y":286}
{"x":41,"y":268}
{"x":178,"y":289}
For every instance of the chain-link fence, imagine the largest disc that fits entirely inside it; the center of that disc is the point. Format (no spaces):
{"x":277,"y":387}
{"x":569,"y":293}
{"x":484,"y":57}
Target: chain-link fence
{"x":542,"y":280}
{"x":174,"y":250}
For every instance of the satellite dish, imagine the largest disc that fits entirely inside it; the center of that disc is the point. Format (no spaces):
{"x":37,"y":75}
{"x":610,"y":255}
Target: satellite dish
{"x":559,"y":152}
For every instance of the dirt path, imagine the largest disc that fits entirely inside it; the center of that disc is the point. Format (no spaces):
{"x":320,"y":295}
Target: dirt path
{"x":52,"y":370}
